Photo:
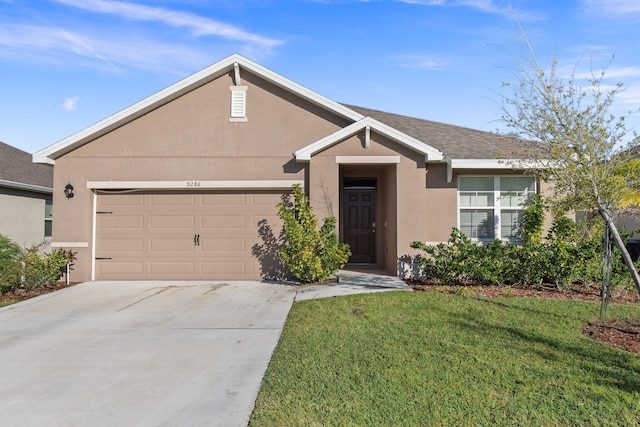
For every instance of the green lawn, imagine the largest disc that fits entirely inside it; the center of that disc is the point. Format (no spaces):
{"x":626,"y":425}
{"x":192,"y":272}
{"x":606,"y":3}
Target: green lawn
{"x":427,"y":359}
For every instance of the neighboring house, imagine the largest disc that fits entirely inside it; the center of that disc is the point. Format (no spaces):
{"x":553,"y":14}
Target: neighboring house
{"x":25,"y":197}
{"x":183,"y":184}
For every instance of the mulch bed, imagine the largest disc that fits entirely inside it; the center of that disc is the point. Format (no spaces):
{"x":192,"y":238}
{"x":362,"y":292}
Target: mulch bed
{"x":22,"y":294}
{"x":620,"y":333}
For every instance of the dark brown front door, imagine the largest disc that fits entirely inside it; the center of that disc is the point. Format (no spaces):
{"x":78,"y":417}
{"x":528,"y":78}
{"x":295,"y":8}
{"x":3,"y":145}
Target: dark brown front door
{"x":360,"y":224}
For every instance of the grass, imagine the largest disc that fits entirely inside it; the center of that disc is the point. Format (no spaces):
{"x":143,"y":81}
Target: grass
{"x":5,"y":303}
{"x":427,"y":359}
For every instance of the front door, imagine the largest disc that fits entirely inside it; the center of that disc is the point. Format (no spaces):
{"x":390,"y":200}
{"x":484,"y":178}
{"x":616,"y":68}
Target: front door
{"x":360,"y":220}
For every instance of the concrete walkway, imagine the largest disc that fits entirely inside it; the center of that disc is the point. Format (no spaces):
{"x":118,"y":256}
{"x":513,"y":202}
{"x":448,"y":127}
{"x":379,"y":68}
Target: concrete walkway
{"x":353,"y":282}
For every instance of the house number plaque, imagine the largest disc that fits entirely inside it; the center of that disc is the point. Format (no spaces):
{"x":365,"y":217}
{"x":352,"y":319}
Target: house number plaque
{"x":194,"y":184}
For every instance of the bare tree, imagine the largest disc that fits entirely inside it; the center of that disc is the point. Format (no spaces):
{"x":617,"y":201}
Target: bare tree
{"x":583,"y":149}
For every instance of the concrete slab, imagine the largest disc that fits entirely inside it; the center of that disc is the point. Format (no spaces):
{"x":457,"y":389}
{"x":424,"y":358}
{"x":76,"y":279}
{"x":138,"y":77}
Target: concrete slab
{"x":139,"y":353}
{"x":353,"y":282}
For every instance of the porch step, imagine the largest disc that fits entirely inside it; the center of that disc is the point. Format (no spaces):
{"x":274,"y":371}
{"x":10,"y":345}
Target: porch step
{"x":350,"y":283}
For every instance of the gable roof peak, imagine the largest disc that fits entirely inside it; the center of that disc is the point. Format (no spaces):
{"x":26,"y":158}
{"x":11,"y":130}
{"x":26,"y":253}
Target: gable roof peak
{"x":188,"y":84}
{"x":431,"y":154}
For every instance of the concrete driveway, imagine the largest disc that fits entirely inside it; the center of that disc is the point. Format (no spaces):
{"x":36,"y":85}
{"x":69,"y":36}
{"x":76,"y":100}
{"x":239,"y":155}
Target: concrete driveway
{"x":139,"y":353}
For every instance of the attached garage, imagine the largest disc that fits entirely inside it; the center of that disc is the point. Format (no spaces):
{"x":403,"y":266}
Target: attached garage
{"x":160,"y":235}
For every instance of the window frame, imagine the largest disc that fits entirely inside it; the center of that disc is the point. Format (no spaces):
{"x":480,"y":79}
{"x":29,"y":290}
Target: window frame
{"x":497,"y":206}
{"x":48,"y":219}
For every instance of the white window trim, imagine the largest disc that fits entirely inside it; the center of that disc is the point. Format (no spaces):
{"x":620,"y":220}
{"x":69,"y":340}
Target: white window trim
{"x":48,"y":219}
{"x":497,"y":207}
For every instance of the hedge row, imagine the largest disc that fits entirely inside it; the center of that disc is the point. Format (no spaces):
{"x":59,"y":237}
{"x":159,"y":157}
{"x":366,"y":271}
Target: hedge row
{"x":562,"y":258}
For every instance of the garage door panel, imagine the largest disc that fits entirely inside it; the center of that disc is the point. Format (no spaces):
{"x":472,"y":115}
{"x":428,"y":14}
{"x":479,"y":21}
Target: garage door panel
{"x":107,"y":269}
{"x":172,"y":222}
{"x":223,"y":222}
{"x":272,"y":221}
{"x":120,"y":245}
{"x":214,"y":246}
{"x":124,"y":200}
{"x":172,"y":268}
{"x":229,"y":269}
{"x":180,"y":201}
{"x":265,"y":199}
{"x":178,"y":245}
{"x":151,"y":236}
{"x":224,"y":200}
{"x":129,"y":222}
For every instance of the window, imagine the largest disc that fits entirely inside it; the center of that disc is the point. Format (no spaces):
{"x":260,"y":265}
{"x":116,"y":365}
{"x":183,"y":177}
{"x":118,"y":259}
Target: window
{"x":490,"y":206}
{"x":48,"y":218}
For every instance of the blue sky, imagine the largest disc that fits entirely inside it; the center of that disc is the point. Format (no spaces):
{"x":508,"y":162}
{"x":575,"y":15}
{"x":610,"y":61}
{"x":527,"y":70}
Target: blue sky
{"x":66,"y":64}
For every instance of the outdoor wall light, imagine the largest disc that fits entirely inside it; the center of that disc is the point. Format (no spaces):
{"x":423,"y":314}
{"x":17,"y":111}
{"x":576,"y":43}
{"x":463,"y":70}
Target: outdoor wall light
{"x":68,"y":191}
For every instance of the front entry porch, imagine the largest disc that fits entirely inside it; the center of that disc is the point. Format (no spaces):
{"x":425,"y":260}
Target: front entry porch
{"x":368,"y":215}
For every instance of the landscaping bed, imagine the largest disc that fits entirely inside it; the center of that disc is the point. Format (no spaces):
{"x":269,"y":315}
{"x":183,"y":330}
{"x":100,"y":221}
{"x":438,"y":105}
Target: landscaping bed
{"x":23,"y":294}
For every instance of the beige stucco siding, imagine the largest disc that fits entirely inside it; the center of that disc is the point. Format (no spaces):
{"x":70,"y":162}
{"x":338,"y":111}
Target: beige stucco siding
{"x":197,"y":125}
{"x":442,"y":210}
{"x":22,"y":218}
{"x":190,"y":138}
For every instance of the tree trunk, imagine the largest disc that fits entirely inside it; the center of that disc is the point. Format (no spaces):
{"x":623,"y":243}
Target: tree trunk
{"x":623,"y":249}
{"x":606,"y":273}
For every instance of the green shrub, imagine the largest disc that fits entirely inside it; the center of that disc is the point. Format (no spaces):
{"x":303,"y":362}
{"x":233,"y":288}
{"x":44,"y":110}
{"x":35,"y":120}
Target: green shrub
{"x":29,"y":268}
{"x":44,"y":270}
{"x":533,"y":220}
{"x":460,"y":260}
{"x":9,"y":252}
{"x":310,"y":254}
{"x":562,"y":259}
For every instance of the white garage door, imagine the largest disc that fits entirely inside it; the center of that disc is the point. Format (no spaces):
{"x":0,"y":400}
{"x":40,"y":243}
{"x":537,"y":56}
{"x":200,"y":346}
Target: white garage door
{"x":194,"y":236}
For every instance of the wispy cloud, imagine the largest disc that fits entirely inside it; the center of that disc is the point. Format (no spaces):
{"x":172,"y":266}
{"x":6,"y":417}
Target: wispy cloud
{"x":44,"y":44}
{"x":70,"y":104}
{"x":422,"y":62}
{"x":623,"y":72}
{"x":583,"y":69}
{"x":487,"y":6}
{"x":198,"y":25}
{"x":48,"y":39}
{"x":630,"y":96}
{"x":613,"y":7}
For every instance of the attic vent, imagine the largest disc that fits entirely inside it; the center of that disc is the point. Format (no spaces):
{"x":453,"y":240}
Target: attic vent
{"x":238,"y":104}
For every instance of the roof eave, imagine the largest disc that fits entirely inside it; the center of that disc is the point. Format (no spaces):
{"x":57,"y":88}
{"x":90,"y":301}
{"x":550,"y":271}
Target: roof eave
{"x":495,"y":164}
{"x":26,"y":187}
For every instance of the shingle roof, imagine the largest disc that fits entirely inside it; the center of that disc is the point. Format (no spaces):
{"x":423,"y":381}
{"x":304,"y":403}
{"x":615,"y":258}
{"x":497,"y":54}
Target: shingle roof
{"x":17,"y":166}
{"x":454,"y":141}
